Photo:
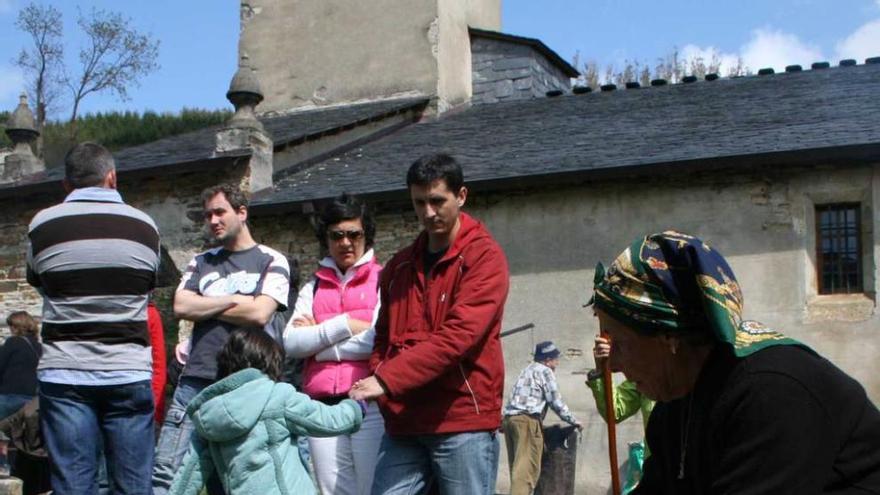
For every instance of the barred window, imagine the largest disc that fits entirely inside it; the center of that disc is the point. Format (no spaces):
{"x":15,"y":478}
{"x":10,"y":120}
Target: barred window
{"x":838,"y":248}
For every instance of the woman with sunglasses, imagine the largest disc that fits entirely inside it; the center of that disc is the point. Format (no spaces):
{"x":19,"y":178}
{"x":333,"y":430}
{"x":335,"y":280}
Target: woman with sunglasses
{"x":332,"y":328}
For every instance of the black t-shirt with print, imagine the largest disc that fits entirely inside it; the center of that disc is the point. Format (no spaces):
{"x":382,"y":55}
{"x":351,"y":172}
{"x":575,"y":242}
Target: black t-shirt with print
{"x":218,"y":272}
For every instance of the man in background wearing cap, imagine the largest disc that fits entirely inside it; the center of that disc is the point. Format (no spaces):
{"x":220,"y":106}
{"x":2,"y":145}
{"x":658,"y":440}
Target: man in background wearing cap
{"x":535,"y":389}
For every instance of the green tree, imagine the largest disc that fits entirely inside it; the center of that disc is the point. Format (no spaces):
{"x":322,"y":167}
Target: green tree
{"x":118,"y":130}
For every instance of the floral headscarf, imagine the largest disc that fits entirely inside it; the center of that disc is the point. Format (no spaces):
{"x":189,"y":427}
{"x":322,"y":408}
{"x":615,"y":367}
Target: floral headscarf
{"x":675,"y":283}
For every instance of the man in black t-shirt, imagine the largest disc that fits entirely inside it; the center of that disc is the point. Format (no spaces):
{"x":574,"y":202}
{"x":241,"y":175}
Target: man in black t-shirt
{"x":240,"y":284}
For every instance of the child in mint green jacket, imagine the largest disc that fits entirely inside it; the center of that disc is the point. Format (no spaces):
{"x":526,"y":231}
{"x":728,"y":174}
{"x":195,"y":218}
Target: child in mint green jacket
{"x":246,"y":424}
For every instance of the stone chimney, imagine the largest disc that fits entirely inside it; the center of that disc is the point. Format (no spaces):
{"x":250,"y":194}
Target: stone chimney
{"x":22,"y":131}
{"x":244,"y":131}
{"x":324,"y":52}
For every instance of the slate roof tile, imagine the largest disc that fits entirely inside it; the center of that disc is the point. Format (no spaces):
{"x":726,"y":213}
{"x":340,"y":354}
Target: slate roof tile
{"x":606,"y":130}
{"x":199,"y":145}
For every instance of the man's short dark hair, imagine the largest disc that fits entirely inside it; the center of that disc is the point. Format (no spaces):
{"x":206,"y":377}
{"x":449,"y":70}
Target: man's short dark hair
{"x":345,"y":207}
{"x":86,"y":165}
{"x":429,"y":168}
{"x":236,"y":197}
{"x":250,"y":348}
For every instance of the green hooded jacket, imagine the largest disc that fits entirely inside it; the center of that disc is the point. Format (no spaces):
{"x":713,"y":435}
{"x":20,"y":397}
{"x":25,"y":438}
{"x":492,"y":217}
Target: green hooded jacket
{"x":245,"y":430}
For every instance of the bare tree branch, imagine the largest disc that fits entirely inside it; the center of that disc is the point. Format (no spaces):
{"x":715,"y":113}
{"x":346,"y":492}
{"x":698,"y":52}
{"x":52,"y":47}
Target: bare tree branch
{"x":43,"y":62}
{"x":114,"y":59}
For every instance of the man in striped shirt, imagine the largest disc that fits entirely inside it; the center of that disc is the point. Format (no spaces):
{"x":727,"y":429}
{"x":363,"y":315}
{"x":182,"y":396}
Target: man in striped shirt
{"x":94,"y":259}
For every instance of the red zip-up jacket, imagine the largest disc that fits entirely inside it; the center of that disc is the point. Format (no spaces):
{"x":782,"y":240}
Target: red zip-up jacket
{"x":438,"y":347}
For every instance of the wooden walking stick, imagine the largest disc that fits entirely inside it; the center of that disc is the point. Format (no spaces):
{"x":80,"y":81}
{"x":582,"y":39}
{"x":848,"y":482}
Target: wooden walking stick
{"x":611,"y":421}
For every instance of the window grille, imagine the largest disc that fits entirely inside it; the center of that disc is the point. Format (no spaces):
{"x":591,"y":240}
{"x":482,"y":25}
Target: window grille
{"x":838,"y":248}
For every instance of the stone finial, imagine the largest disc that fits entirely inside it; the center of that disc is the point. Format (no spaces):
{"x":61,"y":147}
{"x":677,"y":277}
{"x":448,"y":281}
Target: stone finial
{"x":22,"y":119}
{"x":245,"y":94}
{"x":22,"y":131}
{"x":244,"y":131}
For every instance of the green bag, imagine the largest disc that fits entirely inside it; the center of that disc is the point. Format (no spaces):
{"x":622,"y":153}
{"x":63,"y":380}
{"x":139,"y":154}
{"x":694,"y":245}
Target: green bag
{"x":634,"y":466}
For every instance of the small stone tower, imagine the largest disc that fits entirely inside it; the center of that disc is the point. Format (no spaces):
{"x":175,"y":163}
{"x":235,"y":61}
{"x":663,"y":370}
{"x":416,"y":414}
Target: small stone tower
{"x":323,"y":52}
{"x":22,"y":131}
{"x":244,"y":131}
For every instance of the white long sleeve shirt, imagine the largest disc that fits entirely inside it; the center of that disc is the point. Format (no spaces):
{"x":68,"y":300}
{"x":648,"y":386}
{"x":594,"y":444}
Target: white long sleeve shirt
{"x":331,"y":340}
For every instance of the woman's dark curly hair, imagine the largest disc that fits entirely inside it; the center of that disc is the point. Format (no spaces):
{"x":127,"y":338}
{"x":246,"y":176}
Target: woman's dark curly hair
{"x":345,"y":207}
{"x":250,"y":348}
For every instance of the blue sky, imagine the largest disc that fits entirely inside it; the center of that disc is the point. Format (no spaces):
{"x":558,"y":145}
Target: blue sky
{"x":199,"y":38}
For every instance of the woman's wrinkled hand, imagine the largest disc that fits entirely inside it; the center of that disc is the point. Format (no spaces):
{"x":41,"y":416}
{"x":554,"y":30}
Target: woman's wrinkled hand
{"x":601,"y":351}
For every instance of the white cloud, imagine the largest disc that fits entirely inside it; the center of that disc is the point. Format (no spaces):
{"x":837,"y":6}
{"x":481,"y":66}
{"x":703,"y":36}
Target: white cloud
{"x":765,"y":48}
{"x":864,"y":42}
{"x":776,"y":49}
{"x":768,"y":47}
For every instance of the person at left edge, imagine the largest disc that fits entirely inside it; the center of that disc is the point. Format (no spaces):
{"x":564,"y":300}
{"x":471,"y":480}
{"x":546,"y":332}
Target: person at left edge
{"x":239,"y":284}
{"x":95,"y":259}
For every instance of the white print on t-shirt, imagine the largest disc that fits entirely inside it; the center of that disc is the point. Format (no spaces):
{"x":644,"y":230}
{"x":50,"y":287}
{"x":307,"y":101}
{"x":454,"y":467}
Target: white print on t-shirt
{"x":235,"y":283}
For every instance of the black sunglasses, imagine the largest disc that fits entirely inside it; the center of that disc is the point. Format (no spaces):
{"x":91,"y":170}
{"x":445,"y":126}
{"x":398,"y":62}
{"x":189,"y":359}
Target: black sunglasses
{"x":338,"y":235}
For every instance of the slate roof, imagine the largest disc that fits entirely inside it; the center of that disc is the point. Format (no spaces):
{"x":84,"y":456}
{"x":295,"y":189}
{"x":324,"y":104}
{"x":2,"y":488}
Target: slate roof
{"x":197,"y":147}
{"x":536,"y":44}
{"x":520,"y":141}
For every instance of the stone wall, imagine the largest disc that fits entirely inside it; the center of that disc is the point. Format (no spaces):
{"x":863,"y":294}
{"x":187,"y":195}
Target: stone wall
{"x":15,"y":293}
{"x":505,"y":71}
{"x":758,"y":220}
{"x":294,"y":236}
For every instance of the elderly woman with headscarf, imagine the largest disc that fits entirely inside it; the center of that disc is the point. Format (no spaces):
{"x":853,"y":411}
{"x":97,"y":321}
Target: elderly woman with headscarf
{"x":741,"y":408}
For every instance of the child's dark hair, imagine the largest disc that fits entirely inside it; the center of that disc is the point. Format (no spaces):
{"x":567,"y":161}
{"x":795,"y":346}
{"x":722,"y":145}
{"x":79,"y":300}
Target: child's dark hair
{"x":250,"y":349}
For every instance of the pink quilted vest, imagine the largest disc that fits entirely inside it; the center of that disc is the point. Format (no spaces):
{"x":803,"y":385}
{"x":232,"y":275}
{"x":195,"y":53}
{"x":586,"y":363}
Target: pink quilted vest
{"x":358,"y":298}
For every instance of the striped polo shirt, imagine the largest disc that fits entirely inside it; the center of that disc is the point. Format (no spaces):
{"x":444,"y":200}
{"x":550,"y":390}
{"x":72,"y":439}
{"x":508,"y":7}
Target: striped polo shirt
{"x":94,"y":259}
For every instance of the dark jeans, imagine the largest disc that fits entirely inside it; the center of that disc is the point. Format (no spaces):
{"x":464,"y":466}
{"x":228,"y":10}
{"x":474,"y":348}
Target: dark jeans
{"x":76,"y":418}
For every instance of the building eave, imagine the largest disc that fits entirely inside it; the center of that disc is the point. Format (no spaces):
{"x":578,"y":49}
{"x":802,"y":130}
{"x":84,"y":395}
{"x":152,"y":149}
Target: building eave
{"x":264,"y":204}
{"x":33,"y":185}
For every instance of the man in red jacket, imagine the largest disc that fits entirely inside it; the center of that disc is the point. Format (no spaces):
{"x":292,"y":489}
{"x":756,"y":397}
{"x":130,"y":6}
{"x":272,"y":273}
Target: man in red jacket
{"x":437,"y":361}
